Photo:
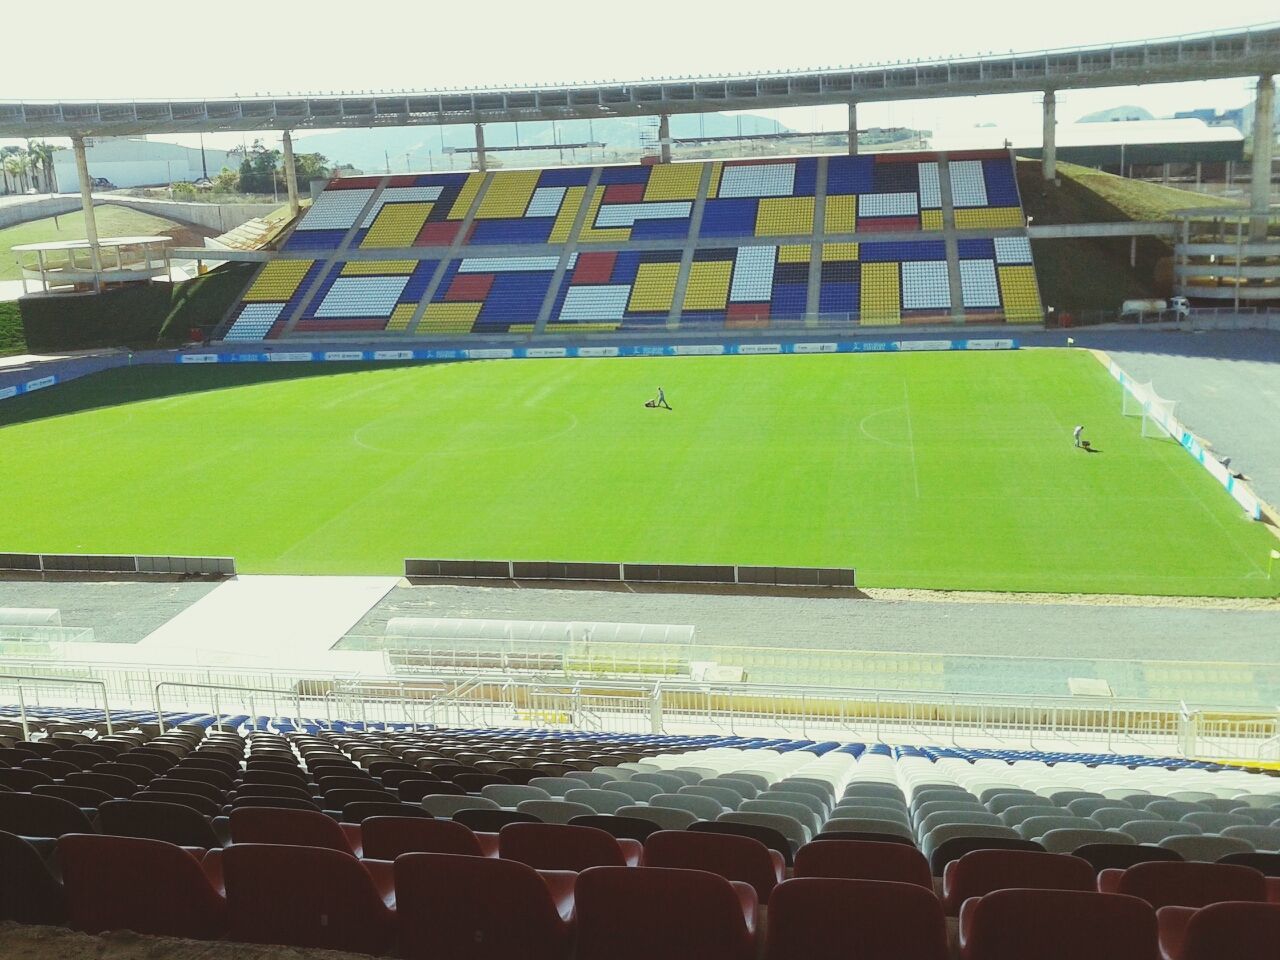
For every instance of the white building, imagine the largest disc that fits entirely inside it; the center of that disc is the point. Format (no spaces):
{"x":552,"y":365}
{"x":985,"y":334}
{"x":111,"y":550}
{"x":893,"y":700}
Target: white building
{"x":130,"y":162}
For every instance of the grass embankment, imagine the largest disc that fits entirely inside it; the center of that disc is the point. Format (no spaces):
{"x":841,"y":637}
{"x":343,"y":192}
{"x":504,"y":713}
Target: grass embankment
{"x":947,"y":471}
{"x":112,"y":221}
{"x":1094,"y":274}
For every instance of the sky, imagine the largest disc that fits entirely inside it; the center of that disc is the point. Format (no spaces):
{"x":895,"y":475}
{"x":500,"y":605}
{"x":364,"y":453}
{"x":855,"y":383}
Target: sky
{"x":415,"y":46}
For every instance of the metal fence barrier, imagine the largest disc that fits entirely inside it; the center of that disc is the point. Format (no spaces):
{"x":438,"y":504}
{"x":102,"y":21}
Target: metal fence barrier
{"x":117,"y":563}
{"x":630,"y":572}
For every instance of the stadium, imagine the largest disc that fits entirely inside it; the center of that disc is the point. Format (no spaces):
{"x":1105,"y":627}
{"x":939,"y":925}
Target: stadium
{"x":739,"y":549}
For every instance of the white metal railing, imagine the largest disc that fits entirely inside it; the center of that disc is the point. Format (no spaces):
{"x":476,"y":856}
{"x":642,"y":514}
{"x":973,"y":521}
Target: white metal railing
{"x":632,"y":704}
{"x":20,"y":681}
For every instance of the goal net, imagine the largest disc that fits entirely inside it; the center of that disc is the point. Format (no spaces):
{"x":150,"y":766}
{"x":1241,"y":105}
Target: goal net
{"x":1157,"y":413}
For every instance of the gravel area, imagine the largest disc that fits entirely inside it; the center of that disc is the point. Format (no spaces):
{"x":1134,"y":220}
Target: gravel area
{"x":118,"y":612}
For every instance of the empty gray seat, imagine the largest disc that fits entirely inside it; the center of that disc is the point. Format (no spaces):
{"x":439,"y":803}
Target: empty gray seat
{"x":1153,"y":831}
{"x":639,"y":792}
{"x":1063,"y":797}
{"x":958,"y":795}
{"x":1174,"y":809}
{"x":1206,"y":849}
{"x":795,"y":832}
{"x":940,"y":835}
{"x":868,"y":825}
{"x":511,"y":795}
{"x":617,"y":773}
{"x":747,"y":789}
{"x":888,"y":802}
{"x":1084,"y":806}
{"x":601,"y":801}
{"x":1262,"y":838}
{"x":1271,"y":800}
{"x":818,"y":808}
{"x":1216,"y":822}
{"x":1016,"y":815}
{"x":1111,"y":817}
{"x":873,"y":788}
{"x":555,"y":811}
{"x":796,"y":811}
{"x":729,"y":799}
{"x":938,"y":806}
{"x":669,"y":782}
{"x":817,"y":786}
{"x":1015,"y":801}
{"x":445,"y":807}
{"x":1070,"y":839}
{"x":591,"y":778}
{"x":1192,"y":796}
{"x":1223,"y":805}
{"x":1262,"y":816}
{"x":757,"y":780}
{"x":689,"y":777}
{"x":667,"y":818}
{"x":704,"y":808}
{"x":1033,"y":828}
{"x":955,"y":816}
{"x":556,"y":786}
{"x":990,"y":793}
{"x":867,"y":810}
{"x":702,"y":773}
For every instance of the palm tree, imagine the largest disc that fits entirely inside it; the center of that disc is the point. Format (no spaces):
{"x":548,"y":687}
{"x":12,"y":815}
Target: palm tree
{"x":42,"y":154}
{"x":15,"y":169}
{"x":33,"y":164}
{"x":5,"y":154}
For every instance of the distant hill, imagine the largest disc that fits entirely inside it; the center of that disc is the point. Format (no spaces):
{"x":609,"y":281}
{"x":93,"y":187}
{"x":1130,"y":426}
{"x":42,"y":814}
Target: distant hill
{"x":373,"y":150}
{"x":1118,"y":114}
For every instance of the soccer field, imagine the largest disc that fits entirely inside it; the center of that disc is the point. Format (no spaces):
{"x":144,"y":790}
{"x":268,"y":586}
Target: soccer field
{"x":942,"y":470}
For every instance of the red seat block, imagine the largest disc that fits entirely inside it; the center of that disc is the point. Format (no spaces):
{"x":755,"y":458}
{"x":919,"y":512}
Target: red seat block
{"x":304,"y":828}
{"x":734,"y":858}
{"x":629,"y":914}
{"x":130,"y":883}
{"x":555,"y":846}
{"x":820,"y":918}
{"x":1176,"y":884}
{"x":478,"y":908}
{"x":864,"y":860}
{"x":304,"y":897}
{"x":1057,"y":925}
{"x":386,"y":838}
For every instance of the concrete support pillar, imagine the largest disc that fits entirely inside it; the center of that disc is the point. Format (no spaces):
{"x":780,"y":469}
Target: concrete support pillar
{"x":1264,"y":138}
{"x":664,"y":137}
{"x":1050,"y":150}
{"x":853,"y":128}
{"x":291,"y":175}
{"x":86,"y":202}
{"x":481,"y":163}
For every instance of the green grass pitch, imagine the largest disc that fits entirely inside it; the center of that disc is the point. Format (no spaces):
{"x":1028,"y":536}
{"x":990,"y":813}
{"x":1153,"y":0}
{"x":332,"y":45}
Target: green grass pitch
{"x":941,"y":470}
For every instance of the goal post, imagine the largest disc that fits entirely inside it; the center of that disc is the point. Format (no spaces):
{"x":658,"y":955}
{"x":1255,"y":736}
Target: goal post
{"x":1157,"y":413}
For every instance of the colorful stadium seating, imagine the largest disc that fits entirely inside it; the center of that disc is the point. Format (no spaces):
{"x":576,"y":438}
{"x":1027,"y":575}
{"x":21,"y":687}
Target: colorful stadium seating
{"x":720,"y":244}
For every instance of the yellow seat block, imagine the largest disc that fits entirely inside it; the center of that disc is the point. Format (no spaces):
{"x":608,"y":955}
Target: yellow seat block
{"x":401,"y":316}
{"x":931,"y":219}
{"x":708,"y":287}
{"x":466,"y":196}
{"x":880,"y":295}
{"x":378,"y":268}
{"x":397,"y":225}
{"x":674,"y":181}
{"x":278,"y":281}
{"x":841,"y":215}
{"x":838,"y":252}
{"x":508,"y":195}
{"x":1020,"y":294}
{"x":793,"y":253}
{"x":593,"y":234}
{"x":784,"y":216}
{"x":978,"y":218}
{"x":599,"y":327}
{"x":449,"y":317}
{"x":563,"y":226}
{"x":655,"y":287}
{"x":717,"y":170}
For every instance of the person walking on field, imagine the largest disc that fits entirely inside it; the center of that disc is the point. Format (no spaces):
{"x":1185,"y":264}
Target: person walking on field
{"x":662,"y":400}
{"x":1076,"y":433}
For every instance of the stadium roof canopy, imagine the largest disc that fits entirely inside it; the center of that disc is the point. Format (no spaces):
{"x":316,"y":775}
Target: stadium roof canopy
{"x":1209,"y":56}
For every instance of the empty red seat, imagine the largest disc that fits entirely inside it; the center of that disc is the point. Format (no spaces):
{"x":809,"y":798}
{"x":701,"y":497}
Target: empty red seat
{"x":478,"y":908}
{"x":557,"y":846}
{"x":1239,"y":931}
{"x":1057,"y":925}
{"x":820,"y":918}
{"x":734,"y":858}
{"x":31,"y":815}
{"x":386,"y":838}
{"x":304,"y":828}
{"x":626,"y":914}
{"x":864,"y":860}
{"x":1178,"y":884}
{"x":982,"y":871}
{"x":305,"y":897}
{"x":170,"y":822}
{"x":147,"y":886}
{"x":29,"y":892}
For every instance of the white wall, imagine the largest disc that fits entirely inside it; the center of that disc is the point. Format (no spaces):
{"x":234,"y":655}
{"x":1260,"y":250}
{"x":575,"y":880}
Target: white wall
{"x":141,"y":163}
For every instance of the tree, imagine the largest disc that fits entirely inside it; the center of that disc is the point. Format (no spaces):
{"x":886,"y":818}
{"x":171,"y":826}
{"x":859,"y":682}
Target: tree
{"x":16,"y":171}
{"x":6,"y":170}
{"x":41,"y":158}
{"x":228,"y":181}
{"x":311,"y":166}
{"x":258,"y":169}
